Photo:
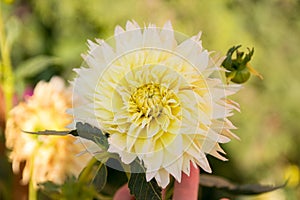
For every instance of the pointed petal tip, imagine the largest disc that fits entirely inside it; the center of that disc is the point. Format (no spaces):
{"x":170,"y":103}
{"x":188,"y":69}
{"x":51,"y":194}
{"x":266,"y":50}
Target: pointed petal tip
{"x":119,"y":30}
{"x":99,"y":41}
{"x":90,"y":42}
{"x":132,"y":25}
{"x":207,"y":170}
{"x":168,"y":25}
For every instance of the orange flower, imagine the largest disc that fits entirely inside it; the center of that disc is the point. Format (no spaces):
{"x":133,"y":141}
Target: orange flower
{"x":47,"y":158}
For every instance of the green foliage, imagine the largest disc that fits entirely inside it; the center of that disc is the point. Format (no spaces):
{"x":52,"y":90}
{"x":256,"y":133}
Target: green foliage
{"x":88,"y":186}
{"x":94,"y":175}
{"x":71,"y":189}
{"x":83,"y":130}
{"x":34,"y":66}
{"x":139,"y":187}
{"x":235,"y":189}
{"x":92,"y":133}
{"x":99,"y":180}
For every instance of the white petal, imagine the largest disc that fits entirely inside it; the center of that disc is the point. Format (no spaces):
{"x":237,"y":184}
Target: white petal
{"x":127,"y":158}
{"x":151,"y":37}
{"x":162,"y":178}
{"x":202,"y":161}
{"x":167,"y":36}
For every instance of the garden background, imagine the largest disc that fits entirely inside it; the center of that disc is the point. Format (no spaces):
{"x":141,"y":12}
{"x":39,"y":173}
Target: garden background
{"x":48,"y":38}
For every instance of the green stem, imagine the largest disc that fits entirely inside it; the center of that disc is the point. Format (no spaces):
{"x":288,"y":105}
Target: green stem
{"x":32,"y":191}
{"x":32,"y":195}
{"x":6,"y":76}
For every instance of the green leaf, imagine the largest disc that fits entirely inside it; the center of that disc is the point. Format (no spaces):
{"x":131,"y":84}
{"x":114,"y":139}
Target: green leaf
{"x":70,"y":189}
{"x":51,"y":186}
{"x":92,"y":133}
{"x":139,"y":187}
{"x":83,"y":130}
{"x":94,"y":173}
{"x":53,"y":132}
{"x":34,"y":65}
{"x":225,"y":185}
{"x":99,"y":180}
{"x":13,"y":27}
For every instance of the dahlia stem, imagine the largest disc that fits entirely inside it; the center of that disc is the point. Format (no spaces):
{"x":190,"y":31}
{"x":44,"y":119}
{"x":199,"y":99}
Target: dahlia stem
{"x":32,"y":191}
{"x":6,"y":75}
{"x":32,"y":194}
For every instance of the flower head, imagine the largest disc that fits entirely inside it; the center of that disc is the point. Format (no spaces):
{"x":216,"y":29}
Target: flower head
{"x":47,"y":158}
{"x":156,"y":99}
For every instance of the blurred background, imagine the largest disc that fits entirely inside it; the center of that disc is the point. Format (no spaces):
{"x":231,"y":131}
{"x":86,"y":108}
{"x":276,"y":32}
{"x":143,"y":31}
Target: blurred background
{"x":48,"y":38}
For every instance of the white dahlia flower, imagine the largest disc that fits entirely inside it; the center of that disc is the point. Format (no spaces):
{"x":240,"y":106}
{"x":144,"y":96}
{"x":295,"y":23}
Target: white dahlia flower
{"x":157,"y":99}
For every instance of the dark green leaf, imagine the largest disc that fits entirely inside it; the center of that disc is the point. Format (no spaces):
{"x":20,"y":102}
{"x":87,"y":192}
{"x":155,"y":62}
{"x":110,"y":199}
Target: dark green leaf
{"x":53,"y":132}
{"x":92,"y":133}
{"x":50,"y":189}
{"x":34,"y":66}
{"x":139,"y":187}
{"x":170,"y":189}
{"x":227,"y":63}
{"x":50,"y":186}
{"x":224,"y":184}
{"x":83,"y":130}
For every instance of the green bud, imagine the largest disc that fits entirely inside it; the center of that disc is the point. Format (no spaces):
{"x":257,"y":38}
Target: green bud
{"x":238,"y":68}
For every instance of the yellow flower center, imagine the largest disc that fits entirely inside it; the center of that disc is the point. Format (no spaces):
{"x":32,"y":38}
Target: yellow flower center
{"x":147,"y":102}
